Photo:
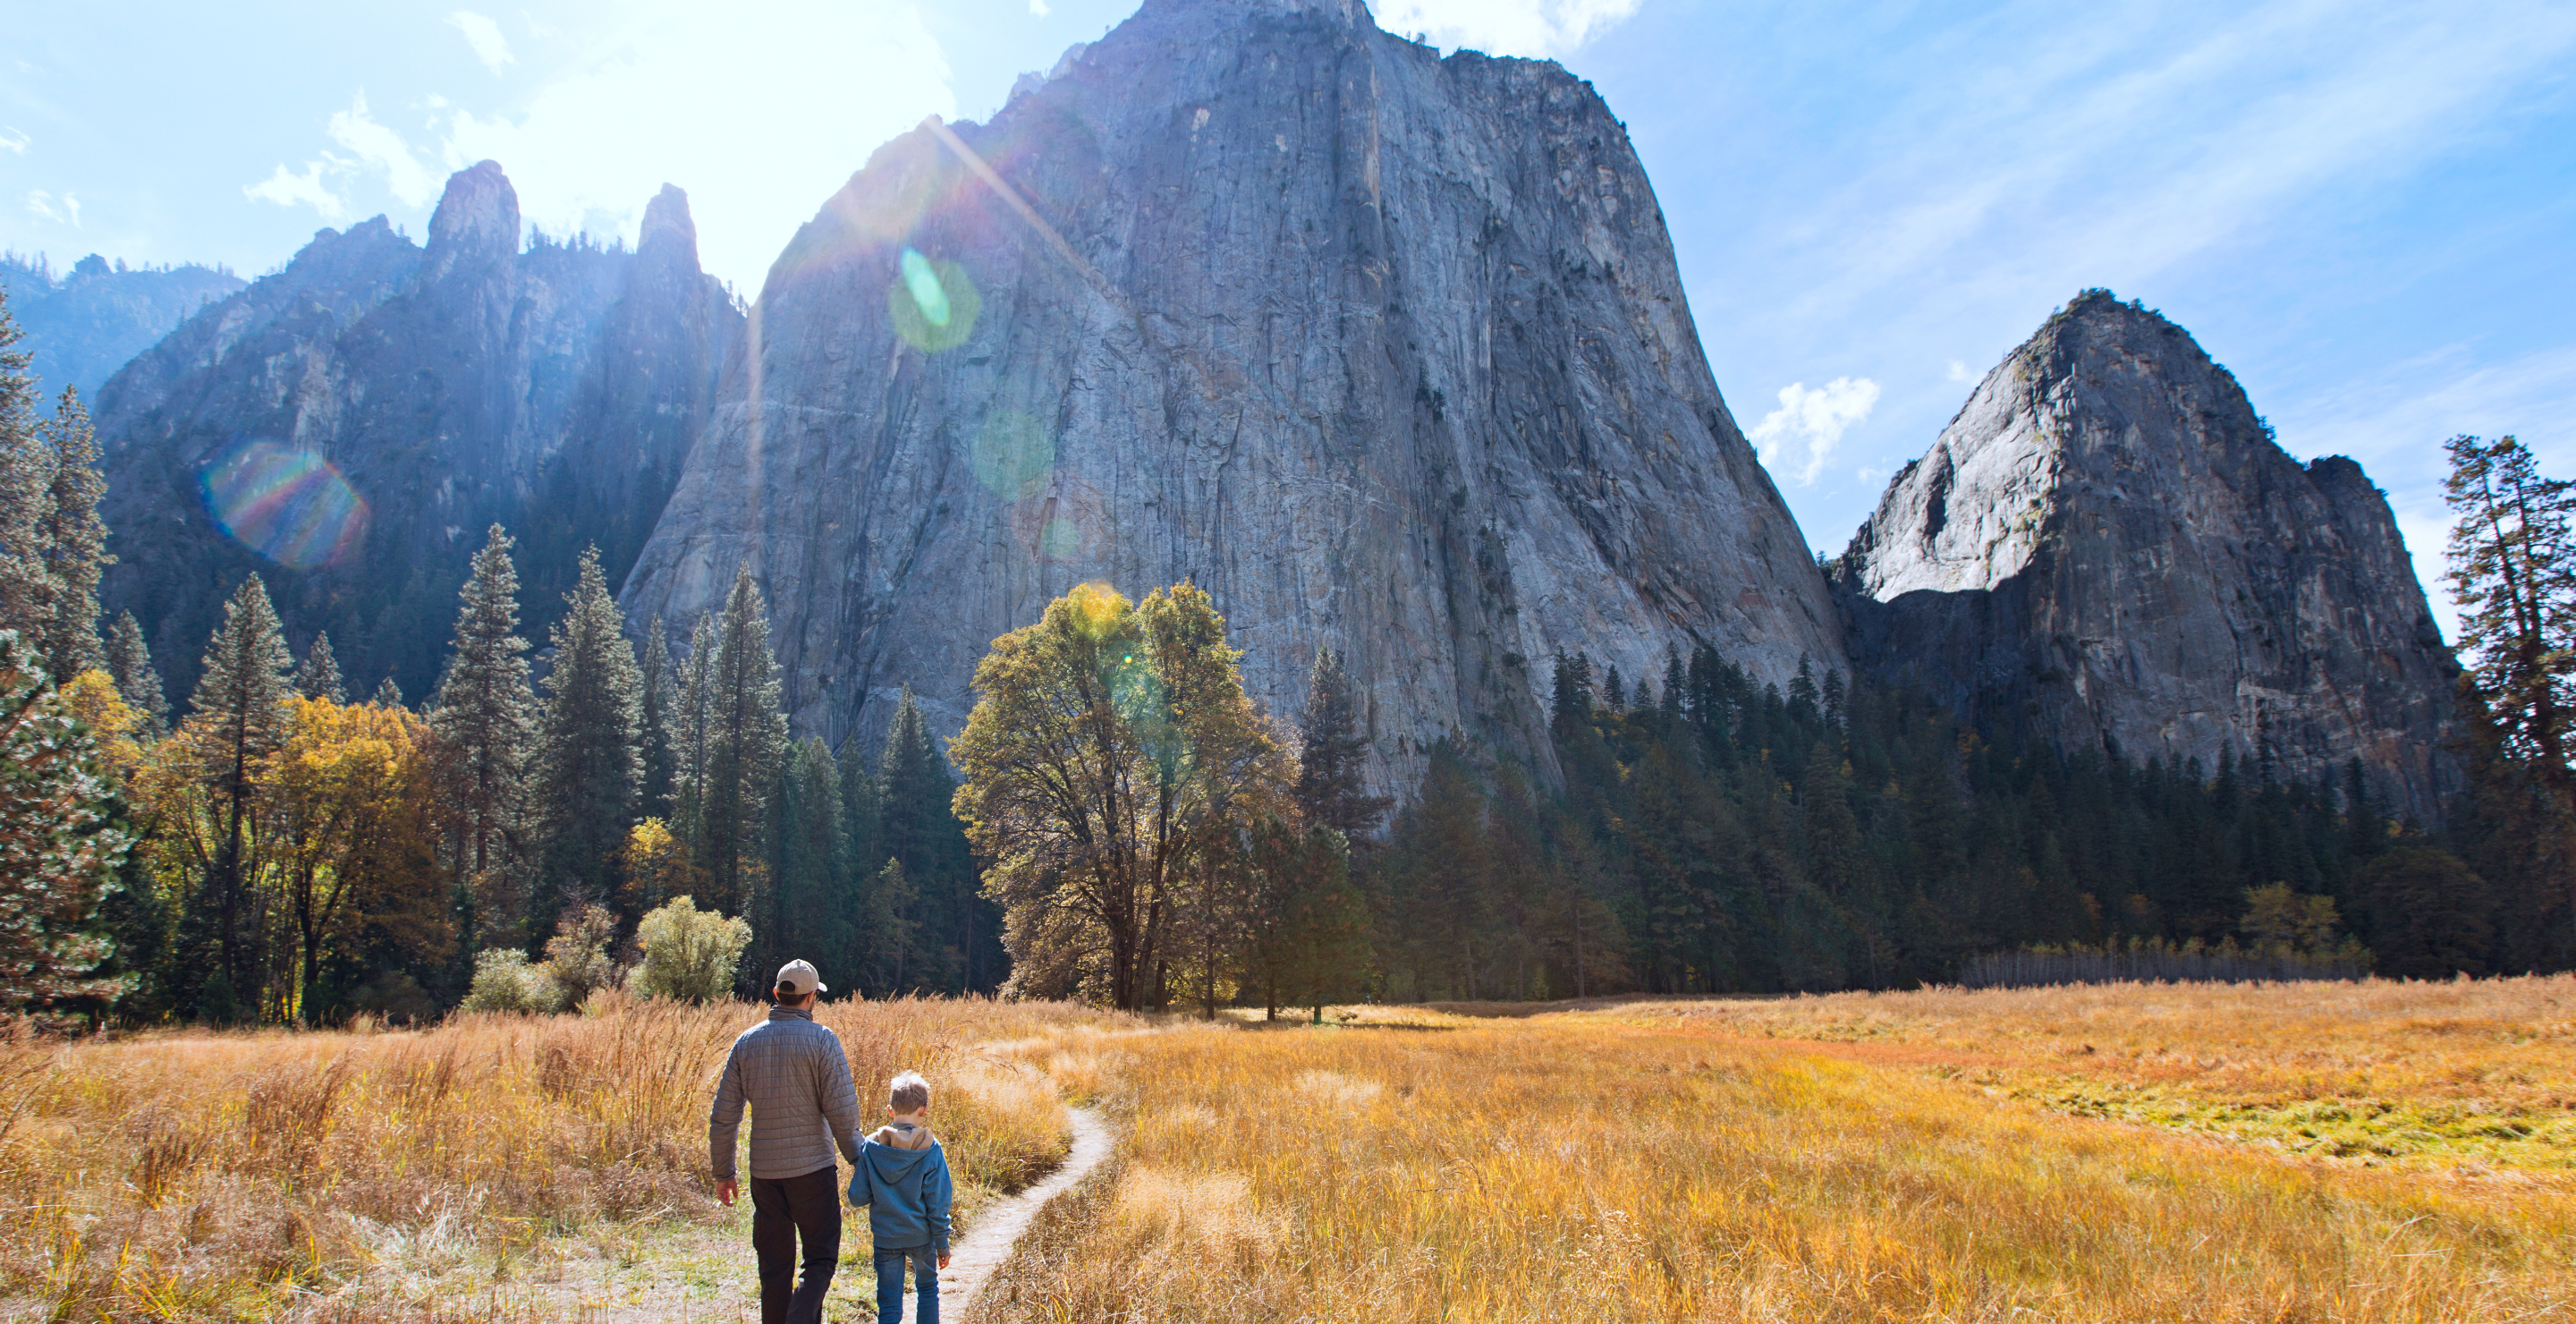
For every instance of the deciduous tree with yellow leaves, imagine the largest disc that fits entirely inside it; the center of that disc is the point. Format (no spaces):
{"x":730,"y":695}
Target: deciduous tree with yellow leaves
{"x":1111,"y":747}
{"x":352,"y":810}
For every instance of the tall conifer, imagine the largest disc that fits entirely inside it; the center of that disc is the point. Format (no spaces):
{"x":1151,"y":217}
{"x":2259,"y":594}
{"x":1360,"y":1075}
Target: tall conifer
{"x":745,"y":745}
{"x":75,"y":542}
{"x":130,"y":663}
{"x":658,"y":707}
{"x":587,"y":765}
{"x":954,"y":926}
{"x":862,"y":809}
{"x":238,"y":717}
{"x":26,"y":491}
{"x":61,"y":834}
{"x":689,"y":737}
{"x":484,"y":716}
{"x":1330,"y":789}
{"x":319,"y":677}
{"x":816,"y":899}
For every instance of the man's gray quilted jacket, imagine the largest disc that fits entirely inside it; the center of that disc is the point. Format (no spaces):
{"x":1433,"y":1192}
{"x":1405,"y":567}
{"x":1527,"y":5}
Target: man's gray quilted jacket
{"x":797,"y":1080}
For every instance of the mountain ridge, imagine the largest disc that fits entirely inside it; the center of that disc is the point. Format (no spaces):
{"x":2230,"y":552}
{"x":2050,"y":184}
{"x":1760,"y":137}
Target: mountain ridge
{"x":349,"y":425}
{"x":2106,"y":543}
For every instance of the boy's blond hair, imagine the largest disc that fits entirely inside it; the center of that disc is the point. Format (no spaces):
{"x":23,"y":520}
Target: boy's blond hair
{"x":909,"y":1093}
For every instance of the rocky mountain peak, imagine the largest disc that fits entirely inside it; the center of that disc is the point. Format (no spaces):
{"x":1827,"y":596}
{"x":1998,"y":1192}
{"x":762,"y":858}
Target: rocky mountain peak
{"x":1266,"y":298}
{"x":2107,"y":542}
{"x":397,"y":400}
{"x":1352,"y":12}
{"x":478,"y":213}
{"x":668,"y":233}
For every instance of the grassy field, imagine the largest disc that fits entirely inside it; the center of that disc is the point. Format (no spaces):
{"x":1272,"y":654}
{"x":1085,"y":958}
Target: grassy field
{"x":2309,"y":1152}
{"x":2282,"y":1153}
{"x":494,"y":1167}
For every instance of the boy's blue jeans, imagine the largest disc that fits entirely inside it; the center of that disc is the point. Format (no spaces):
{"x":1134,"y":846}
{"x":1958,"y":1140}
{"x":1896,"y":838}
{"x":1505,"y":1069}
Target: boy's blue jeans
{"x":925,"y":1282}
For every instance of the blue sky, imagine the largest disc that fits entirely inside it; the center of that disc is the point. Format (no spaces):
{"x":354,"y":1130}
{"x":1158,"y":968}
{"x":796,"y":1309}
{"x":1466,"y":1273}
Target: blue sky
{"x":2366,"y":210}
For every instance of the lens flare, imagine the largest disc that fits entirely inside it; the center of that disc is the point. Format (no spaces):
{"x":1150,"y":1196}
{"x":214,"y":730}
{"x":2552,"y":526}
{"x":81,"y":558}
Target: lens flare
{"x":286,"y":504}
{"x":932,"y":302}
{"x":1013,"y":456}
{"x":1068,"y":524}
{"x":923,"y":284}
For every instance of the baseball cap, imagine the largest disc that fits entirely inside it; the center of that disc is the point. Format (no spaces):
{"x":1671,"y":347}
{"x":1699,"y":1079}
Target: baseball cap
{"x":798,"y":978}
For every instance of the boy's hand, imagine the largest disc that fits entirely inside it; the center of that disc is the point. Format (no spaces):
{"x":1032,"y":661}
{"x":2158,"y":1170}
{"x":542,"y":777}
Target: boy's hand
{"x":943,"y":1259}
{"x":725,"y":1192}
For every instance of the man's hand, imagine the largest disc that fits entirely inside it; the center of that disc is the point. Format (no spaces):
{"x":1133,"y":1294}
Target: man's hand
{"x":725,"y":1192}
{"x":943,"y":1259}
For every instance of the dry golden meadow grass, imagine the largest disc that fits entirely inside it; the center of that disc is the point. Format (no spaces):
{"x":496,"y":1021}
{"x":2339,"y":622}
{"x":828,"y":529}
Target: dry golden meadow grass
{"x":2309,"y":1152}
{"x":428,"y":1176}
{"x":1917,"y":1157}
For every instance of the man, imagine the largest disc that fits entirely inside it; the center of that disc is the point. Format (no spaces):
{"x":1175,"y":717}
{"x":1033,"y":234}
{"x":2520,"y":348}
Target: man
{"x":797,"y":1080}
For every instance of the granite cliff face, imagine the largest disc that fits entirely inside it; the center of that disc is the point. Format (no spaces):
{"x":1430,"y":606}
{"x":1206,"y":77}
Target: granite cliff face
{"x":1387,"y":351}
{"x":2107,"y":544}
{"x":86,"y":324}
{"x":349,"y":426}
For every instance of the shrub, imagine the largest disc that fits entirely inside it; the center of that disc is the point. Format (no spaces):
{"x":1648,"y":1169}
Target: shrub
{"x":504,"y":981}
{"x":577,"y":956}
{"x":689,"y":954}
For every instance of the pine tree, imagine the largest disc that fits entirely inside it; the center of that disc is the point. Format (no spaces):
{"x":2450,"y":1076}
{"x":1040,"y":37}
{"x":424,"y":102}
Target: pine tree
{"x":387,"y":695}
{"x":892,"y":907}
{"x":689,"y":738}
{"x":746,"y":743}
{"x":659,"y":709}
{"x":1331,"y":791}
{"x":319,"y":677}
{"x":587,"y":763}
{"x":954,"y":927}
{"x":130,"y":663}
{"x":484,"y":716}
{"x":60,"y":843}
{"x":75,"y":543}
{"x":237,"y":718}
{"x":862,"y":809}
{"x":2513,"y":567}
{"x":815,"y":903}
{"x":26,"y":492}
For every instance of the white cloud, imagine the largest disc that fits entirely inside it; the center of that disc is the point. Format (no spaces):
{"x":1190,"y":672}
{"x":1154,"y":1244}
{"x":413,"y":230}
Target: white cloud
{"x":484,"y":36}
{"x":377,"y":151}
{"x":1039,"y":8}
{"x":286,"y":189}
{"x":760,"y":132}
{"x":1959,"y":371}
{"x":380,"y":148}
{"x":12,"y":140}
{"x":1540,"y":29}
{"x":1815,"y":418}
{"x":63,"y":210}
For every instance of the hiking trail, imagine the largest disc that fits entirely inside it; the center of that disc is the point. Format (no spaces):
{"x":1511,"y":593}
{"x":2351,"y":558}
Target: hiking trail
{"x":973,"y":1257}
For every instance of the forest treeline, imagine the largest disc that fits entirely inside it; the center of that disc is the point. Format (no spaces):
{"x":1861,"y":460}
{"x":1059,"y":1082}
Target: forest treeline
{"x":1132,"y":829}
{"x":283,"y":850}
{"x":300,"y":855}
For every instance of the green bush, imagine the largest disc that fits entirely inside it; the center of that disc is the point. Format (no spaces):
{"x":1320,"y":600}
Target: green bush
{"x":689,"y":954}
{"x":504,"y":981}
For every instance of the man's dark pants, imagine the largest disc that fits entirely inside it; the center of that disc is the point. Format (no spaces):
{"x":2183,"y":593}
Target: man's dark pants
{"x":781,"y":1212}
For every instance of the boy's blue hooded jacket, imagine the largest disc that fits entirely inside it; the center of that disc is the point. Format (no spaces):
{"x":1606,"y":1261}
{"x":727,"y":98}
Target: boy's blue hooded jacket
{"x":903,"y":1182}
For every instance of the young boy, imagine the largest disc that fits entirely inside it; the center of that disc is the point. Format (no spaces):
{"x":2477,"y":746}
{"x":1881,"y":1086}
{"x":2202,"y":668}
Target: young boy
{"x":903,"y":1182}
